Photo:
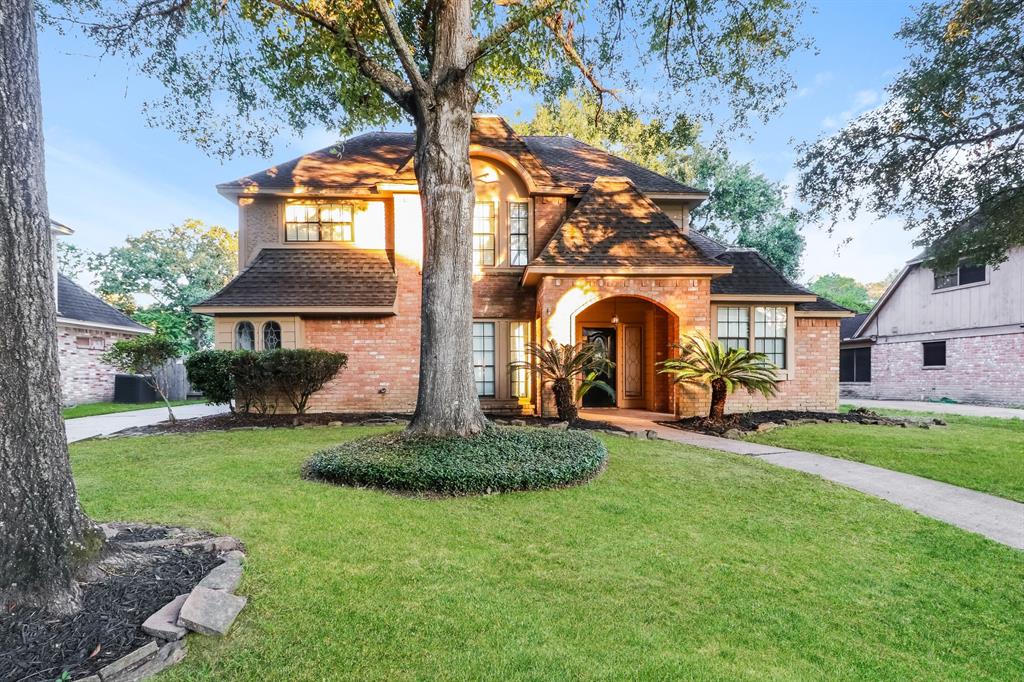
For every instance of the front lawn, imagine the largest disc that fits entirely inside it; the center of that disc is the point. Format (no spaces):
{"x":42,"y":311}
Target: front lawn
{"x":675,"y":563}
{"x":94,"y":409}
{"x":982,"y":453}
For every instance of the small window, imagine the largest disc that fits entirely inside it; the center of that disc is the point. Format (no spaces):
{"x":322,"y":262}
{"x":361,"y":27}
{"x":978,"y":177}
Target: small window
{"x":855,"y":365}
{"x":734,"y":326}
{"x":245,"y":336}
{"x":770,"y":333}
{"x":483,"y":358}
{"x":934,"y":353}
{"x":519,"y":336}
{"x":91,"y":342}
{"x":965,"y":273}
{"x":318,"y":223}
{"x":271,"y":336}
{"x":518,"y":232}
{"x":483,"y":234}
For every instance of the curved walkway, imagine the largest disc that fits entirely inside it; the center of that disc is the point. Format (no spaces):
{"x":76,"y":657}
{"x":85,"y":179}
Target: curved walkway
{"x":102,"y":424}
{"x":994,"y":517}
{"x":941,"y":408}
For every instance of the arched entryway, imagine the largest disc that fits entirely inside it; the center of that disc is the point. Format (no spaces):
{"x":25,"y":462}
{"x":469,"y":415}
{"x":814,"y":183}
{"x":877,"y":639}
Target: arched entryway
{"x":636,"y":333}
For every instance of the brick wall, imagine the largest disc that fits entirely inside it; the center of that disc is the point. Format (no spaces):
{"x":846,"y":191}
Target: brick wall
{"x":549,"y":212}
{"x":815,"y":383}
{"x":83,"y":377}
{"x":498,"y":294}
{"x":979,"y":369}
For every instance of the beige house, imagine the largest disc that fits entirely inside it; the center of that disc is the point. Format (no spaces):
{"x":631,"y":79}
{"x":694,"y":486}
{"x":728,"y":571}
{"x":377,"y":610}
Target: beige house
{"x":570,"y":243}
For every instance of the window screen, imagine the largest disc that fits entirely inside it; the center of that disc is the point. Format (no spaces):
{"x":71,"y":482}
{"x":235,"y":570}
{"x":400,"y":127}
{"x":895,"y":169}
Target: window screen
{"x":734,"y":326}
{"x":483,"y":358}
{"x":245,"y":336}
{"x":483,"y":234}
{"x":934,"y":353}
{"x":855,"y":365}
{"x":318,"y":223}
{"x":518,"y":232}
{"x":770,"y":333}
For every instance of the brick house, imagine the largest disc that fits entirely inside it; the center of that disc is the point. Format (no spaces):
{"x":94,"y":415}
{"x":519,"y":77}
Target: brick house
{"x":956,"y":334}
{"x":570,"y":243}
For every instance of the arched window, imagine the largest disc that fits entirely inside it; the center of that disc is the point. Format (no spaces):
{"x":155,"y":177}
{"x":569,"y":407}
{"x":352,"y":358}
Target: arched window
{"x":245,"y":336}
{"x":271,"y":336}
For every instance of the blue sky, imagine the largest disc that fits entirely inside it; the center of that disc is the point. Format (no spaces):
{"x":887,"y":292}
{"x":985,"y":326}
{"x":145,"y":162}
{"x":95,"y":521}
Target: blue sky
{"x":110,"y":175}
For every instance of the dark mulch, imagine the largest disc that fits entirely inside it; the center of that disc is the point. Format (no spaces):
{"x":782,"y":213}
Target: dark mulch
{"x":228,"y":421}
{"x":135,"y":583}
{"x":749,"y":421}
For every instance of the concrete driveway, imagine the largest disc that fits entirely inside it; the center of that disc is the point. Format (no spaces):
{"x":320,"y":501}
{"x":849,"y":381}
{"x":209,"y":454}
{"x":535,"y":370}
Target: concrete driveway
{"x":942,"y":408}
{"x":89,"y":427}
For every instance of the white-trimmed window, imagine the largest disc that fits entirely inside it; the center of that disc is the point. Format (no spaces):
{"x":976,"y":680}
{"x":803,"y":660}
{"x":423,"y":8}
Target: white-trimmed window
{"x":770,"y":329}
{"x":734,"y":326}
{"x":484,"y":359}
{"x":271,"y":335}
{"x":518,"y":232}
{"x":518,"y":337}
{"x":319,"y":223}
{"x":245,"y":336}
{"x":484,"y":239}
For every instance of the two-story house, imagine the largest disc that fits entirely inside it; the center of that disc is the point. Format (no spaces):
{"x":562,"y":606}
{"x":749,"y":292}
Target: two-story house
{"x":956,"y":334}
{"x":570,"y":243}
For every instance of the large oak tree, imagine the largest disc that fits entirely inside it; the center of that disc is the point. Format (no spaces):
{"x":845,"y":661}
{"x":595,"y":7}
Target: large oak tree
{"x":237,"y":72}
{"x":44,"y":535}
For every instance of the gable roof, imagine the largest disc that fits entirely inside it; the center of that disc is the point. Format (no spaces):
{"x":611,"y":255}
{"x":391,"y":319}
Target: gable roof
{"x":576,"y":164}
{"x":617,"y":226}
{"x":75,"y":303}
{"x":343,"y":278}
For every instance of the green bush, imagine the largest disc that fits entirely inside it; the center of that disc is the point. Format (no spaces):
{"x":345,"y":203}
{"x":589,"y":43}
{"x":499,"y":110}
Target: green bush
{"x":500,"y":459}
{"x":210,"y":372}
{"x":253,"y":382}
{"x":300,"y":372}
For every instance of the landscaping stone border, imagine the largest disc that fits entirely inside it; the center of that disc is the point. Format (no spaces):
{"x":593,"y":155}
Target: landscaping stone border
{"x":210,"y":609}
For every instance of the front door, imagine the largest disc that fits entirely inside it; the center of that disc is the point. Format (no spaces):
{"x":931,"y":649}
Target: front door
{"x":604,"y":338}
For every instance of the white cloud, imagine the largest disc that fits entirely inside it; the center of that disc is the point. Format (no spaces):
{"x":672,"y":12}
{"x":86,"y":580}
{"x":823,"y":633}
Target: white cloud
{"x":821,"y":78}
{"x":861,"y":101}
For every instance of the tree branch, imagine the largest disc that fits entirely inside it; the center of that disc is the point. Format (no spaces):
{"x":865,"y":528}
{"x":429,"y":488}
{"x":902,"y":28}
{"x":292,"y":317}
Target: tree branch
{"x":513,"y":25}
{"x":565,"y":39}
{"x":401,"y":45}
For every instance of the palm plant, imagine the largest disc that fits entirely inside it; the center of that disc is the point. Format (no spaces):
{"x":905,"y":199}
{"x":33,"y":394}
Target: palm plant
{"x":706,"y":362}
{"x":560,"y":364}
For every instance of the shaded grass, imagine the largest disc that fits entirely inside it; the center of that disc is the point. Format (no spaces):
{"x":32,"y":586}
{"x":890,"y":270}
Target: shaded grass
{"x":981,"y":453}
{"x":676,"y":563}
{"x":94,"y":409}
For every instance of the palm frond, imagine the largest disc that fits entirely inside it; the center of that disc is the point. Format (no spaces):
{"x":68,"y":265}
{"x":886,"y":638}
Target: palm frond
{"x":702,"y":361}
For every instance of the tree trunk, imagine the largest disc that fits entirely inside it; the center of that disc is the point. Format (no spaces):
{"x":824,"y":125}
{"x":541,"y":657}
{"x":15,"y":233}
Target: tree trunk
{"x":447,"y":403}
{"x":564,"y":403}
{"x":44,"y":534}
{"x":718,"y":396}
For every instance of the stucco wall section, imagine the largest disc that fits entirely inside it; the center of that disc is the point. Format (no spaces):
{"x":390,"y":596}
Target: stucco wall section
{"x":979,"y":369}
{"x":83,"y":377}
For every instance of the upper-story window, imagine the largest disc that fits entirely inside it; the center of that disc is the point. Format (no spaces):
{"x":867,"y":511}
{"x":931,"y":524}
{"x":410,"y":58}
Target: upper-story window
{"x":318,"y":223}
{"x":483,"y":233}
{"x":518,"y":233}
{"x":965,"y":273}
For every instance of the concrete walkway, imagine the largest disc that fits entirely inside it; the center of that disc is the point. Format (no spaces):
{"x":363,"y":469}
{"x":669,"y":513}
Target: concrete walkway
{"x":89,"y":427}
{"x":994,"y":517}
{"x":942,"y":408}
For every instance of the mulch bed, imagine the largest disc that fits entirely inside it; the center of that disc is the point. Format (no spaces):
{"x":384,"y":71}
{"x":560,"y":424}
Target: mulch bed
{"x":748,"y":422}
{"x":228,"y":421}
{"x":133,"y":583}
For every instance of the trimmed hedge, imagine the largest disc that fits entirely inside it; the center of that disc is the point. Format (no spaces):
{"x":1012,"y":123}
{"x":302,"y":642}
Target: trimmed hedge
{"x":500,"y":459}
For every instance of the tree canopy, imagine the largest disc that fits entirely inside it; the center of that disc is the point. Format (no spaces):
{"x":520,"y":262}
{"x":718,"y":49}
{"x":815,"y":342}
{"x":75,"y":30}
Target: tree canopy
{"x":945,"y":152}
{"x":846,"y":291}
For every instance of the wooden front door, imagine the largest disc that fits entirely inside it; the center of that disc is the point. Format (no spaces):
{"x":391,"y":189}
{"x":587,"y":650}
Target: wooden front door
{"x":632,"y":366}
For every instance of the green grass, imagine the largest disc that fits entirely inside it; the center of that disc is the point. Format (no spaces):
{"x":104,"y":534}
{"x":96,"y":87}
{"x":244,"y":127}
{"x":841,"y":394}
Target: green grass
{"x":981,"y":453}
{"x":676,"y":563}
{"x":94,"y":409}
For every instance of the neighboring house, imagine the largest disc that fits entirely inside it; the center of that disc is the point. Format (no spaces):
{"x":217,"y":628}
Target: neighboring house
{"x":86,"y":327}
{"x":570,"y":243}
{"x":956,"y":334}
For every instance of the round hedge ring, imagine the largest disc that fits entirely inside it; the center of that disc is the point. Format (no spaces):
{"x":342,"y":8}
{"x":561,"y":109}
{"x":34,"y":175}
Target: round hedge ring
{"x":500,"y":459}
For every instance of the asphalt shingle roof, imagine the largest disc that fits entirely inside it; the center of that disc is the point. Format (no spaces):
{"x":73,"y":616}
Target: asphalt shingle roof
{"x":327,"y":277}
{"x":75,"y":303}
{"x":616,"y":225}
{"x":752,"y":274}
{"x":848,"y":327}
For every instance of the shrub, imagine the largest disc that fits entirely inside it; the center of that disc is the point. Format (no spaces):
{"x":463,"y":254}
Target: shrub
{"x":560,"y":364}
{"x":210,"y":372}
{"x":298,"y":373}
{"x":253,"y":382}
{"x":144,"y":355}
{"x":500,"y":459}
